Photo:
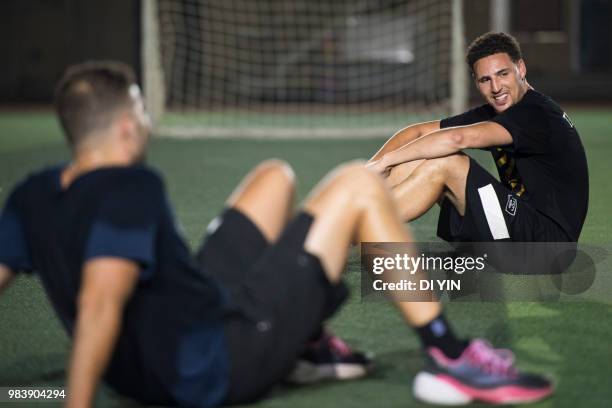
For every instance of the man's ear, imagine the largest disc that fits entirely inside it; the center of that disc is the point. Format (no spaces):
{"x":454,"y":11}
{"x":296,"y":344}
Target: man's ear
{"x":474,"y":79}
{"x":126,"y":126}
{"x":522,"y":69}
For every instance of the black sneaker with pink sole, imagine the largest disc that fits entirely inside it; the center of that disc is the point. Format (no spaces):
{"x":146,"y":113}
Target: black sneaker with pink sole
{"x":330,"y":358}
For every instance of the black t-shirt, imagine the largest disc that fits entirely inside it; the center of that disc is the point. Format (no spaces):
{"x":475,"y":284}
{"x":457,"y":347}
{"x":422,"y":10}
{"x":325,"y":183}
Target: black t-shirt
{"x":171,"y":348}
{"x":545,"y":164}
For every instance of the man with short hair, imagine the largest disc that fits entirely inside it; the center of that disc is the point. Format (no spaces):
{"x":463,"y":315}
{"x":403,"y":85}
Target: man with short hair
{"x":543,"y":192}
{"x":226,"y":326}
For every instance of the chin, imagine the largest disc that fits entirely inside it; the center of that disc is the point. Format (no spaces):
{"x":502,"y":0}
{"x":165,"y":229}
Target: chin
{"x":500,"y":109}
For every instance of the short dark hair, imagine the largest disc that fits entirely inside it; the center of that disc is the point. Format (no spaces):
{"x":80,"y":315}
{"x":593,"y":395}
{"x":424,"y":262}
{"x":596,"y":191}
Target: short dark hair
{"x":493,"y":43}
{"x":89,"y":96}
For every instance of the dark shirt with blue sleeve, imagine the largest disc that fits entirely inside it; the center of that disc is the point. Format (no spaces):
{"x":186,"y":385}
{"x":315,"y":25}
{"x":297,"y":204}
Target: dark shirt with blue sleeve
{"x":171,"y":349}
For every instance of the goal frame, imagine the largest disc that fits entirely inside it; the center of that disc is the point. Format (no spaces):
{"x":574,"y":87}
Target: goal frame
{"x":152,"y":75}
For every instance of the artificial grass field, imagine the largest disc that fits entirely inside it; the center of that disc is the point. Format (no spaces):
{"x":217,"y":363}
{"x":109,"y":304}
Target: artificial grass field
{"x":572,"y":341}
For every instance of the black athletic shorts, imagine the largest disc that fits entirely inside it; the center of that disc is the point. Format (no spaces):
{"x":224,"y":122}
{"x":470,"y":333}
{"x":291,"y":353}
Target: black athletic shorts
{"x":493,"y":213}
{"x":279,"y":297}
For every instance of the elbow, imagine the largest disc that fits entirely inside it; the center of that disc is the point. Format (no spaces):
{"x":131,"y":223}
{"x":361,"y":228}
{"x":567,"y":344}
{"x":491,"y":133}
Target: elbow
{"x":465,"y":138}
{"x":459,"y":141}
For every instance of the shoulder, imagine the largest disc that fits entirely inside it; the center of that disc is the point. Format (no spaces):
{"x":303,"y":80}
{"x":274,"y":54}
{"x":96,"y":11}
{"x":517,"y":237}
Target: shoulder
{"x":36,"y":182}
{"x":538,"y":102}
{"x":533,"y":110}
{"x":137,"y":184}
{"x":129,"y":195}
{"x":478,"y":114}
{"x":128,"y":181}
{"x":540,"y":110}
{"x":139,"y":175}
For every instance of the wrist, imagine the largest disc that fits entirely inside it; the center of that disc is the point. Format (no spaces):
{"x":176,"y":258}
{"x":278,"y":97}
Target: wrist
{"x":385,"y":161}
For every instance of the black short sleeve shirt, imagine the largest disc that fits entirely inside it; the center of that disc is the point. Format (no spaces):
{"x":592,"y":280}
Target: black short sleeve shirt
{"x":172,"y":346}
{"x":545,"y":163}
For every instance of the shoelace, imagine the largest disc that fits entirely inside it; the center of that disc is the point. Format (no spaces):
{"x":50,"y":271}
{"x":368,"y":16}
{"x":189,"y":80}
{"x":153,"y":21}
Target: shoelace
{"x":493,"y":361}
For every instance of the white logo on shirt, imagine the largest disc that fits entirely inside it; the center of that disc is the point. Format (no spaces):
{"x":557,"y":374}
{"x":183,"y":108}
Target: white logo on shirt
{"x":511,"y":205}
{"x":568,"y":120}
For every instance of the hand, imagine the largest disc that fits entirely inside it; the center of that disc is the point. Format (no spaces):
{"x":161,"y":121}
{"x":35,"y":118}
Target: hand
{"x":379,"y":167}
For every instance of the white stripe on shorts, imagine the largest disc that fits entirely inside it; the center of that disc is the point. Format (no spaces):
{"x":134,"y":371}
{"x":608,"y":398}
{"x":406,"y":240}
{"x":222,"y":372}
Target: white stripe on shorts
{"x":493,"y":212}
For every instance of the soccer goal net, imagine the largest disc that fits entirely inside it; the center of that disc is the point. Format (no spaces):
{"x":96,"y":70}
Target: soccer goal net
{"x":300,"y":68}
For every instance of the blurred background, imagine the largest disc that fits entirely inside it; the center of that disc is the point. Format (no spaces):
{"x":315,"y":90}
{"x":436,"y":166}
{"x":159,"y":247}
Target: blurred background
{"x":298,"y":69}
{"x":218,"y":67}
{"x":567,"y":44}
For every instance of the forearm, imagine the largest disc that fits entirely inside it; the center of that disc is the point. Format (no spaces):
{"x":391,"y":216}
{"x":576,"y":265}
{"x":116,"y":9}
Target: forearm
{"x":437,"y":144}
{"x":95,"y":335}
{"x":445,"y":142}
{"x":6,"y":277}
{"x":405,"y":136}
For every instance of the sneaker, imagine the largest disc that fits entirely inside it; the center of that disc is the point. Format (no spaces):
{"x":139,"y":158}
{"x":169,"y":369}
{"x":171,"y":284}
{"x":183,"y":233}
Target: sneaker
{"x":329,"y":358}
{"x":481,"y":373}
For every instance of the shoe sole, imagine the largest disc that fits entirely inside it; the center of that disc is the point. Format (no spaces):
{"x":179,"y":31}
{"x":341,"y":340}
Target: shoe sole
{"x":308,"y":373}
{"x":445,"y":390}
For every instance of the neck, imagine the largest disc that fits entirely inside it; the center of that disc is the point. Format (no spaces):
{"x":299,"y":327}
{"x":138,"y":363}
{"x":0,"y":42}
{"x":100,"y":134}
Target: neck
{"x":89,"y":159}
{"x":524,"y":88}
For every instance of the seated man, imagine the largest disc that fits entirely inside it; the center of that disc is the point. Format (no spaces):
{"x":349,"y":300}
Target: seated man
{"x":544,"y":188}
{"x":164,"y":328}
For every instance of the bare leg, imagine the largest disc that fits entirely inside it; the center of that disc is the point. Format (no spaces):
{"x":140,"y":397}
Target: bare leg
{"x":431,"y":181}
{"x":265,"y":195}
{"x":353,"y":204}
{"x":401,"y":172}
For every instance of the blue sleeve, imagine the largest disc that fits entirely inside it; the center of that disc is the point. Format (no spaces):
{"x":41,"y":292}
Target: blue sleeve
{"x":13,"y":246}
{"x":135,"y":243}
{"x":127,"y":223}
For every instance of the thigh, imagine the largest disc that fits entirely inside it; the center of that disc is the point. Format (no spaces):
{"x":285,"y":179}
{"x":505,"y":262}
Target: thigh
{"x":401,"y":172}
{"x":283,"y":302}
{"x":265,"y":196}
{"x":231,"y":246}
{"x":494,"y":213}
{"x":484,"y":219}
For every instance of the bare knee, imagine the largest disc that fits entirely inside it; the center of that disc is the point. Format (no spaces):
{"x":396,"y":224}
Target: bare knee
{"x":455,"y":163}
{"x":445,"y":168}
{"x":359,"y":182}
{"x":277,"y":171}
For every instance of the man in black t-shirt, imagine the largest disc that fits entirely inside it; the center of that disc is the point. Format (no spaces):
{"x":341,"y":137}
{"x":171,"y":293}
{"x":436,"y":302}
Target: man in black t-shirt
{"x":225,"y":326}
{"x":542,"y":195}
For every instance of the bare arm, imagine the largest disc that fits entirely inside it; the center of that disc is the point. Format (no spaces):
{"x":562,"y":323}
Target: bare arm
{"x":6,"y":277}
{"x":405,"y":136}
{"x":107,"y":285}
{"x":445,"y":142}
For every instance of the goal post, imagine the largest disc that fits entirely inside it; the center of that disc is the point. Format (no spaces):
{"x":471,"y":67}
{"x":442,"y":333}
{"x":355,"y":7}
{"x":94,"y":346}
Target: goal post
{"x":150,"y":54}
{"x":300,"y":68}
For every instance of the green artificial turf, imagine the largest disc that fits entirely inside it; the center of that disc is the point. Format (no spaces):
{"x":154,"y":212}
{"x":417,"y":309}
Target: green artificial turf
{"x":569,"y":340}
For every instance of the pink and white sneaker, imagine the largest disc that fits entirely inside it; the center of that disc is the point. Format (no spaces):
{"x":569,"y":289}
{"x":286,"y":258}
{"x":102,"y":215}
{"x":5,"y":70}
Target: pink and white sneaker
{"x":481,"y":373}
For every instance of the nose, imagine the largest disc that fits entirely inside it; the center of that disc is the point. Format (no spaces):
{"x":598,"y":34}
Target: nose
{"x":495,"y":85}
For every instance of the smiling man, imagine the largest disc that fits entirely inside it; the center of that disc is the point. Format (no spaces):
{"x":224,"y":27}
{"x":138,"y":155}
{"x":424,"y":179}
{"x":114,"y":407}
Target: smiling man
{"x":542,"y":195}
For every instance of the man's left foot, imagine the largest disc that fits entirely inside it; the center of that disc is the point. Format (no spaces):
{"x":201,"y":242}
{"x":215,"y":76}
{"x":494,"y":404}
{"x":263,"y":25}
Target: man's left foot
{"x":481,"y":373}
{"x":329,"y":358}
